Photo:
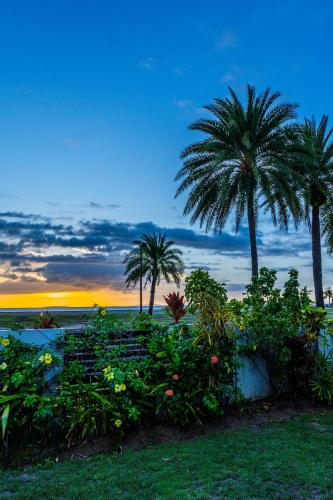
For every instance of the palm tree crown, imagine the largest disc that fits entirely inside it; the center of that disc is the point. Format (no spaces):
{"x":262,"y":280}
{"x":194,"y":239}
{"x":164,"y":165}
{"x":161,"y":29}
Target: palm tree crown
{"x":328,"y":294}
{"x":238,"y":162}
{"x":159,"y":260}
{"x":312,"y":163}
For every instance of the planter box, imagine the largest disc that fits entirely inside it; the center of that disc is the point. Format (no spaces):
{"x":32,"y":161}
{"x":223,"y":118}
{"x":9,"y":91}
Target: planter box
{"x":40,"y":337}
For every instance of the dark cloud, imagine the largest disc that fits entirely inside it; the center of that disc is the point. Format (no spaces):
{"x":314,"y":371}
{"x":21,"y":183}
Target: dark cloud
{"x":90,"y":254}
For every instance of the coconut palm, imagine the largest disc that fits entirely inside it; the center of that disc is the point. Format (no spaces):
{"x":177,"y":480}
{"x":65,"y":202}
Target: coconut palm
{"x":328,"y":294}
{"x":313,"y":166}
{"x":239,"y":164}
{"x":153,"y":258}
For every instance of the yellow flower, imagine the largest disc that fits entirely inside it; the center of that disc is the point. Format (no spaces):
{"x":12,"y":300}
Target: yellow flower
{"x":5,"y":342}
{"x":118,"y":423}
{"x":47,"y":359}
{"x":3,"y":366}
{"x":117,"y":388}
{"x":108,"y":373}
{"x":103,"y":312}
{"x":123,"y":387}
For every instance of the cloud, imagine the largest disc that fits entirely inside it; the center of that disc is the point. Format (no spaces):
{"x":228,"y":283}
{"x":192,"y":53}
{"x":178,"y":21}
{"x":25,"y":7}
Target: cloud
{"x":226,"y":40}
{"x":147,"y":63}
{"x":183,"y":103}
{"x":71,"y":143}
{"x":35,"y":250}
{"x":228,"y":77}
{"x":93,"y":204}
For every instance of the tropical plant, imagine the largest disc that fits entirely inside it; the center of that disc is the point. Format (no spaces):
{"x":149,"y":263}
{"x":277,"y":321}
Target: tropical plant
{"x":175,"y":306}
{"x":328,"y":294}
{"x":115,"y":402}
{"x":25,"y":405}
{"x":322,"y":379}
{"x":200,"y":284}
{"x":190,"y":381}
{"x":45,"y":320}
{"x":270,"y":321}
{"x":311,"y":157}
{"x":238,"y":164}
{"x":153,"y":257}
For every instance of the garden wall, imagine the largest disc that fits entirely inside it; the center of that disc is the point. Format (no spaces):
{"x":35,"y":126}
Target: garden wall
{"x":40,"y":337}
{"x":251,"y":378}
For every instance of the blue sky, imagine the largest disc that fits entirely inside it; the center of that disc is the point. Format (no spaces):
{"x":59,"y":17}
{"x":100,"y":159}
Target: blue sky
{"x":95,"y":100}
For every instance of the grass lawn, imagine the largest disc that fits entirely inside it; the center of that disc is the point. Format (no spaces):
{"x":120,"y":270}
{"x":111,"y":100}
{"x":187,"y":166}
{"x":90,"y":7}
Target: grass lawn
{"x":290,"y":459}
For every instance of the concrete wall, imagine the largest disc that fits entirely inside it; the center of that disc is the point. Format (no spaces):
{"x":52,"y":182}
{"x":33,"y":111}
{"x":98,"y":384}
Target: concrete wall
{"x":251,"y":378}
{"x":40,"y":337}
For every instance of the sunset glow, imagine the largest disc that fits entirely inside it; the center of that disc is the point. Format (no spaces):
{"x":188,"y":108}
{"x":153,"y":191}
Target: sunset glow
{"x":84,"y":298}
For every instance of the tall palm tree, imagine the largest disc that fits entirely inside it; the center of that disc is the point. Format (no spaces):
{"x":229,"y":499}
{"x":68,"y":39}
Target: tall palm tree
{"x":313,"y":166}
{"x":328,"y":294}
{"x":238,"y":164}
{"x":158,"y":260}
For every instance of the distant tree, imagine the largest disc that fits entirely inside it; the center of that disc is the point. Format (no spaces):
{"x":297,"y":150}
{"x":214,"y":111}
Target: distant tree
{"x":312,"y":159}
{"x":159,"y":260}
{"x":328,"y":294}
{"x":239,"y":164}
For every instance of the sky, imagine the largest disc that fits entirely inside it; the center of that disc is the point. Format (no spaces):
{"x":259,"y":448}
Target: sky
{"x":95,"y":102}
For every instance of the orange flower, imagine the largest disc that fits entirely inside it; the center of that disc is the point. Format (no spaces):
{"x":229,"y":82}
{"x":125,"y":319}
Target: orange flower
{"x":214,"y":360}
{"x":169,"y":392}
{"x":175,"y":377}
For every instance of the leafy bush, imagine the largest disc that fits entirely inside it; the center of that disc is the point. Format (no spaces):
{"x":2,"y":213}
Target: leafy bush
{"x":113,"y":404}
{"x":189,"y":380}
{"x":322,"y":379}
{"x":45,"y":320}
{"x":283,"y":327}
{"x":200,"y":283}
{"x":25,"y":405}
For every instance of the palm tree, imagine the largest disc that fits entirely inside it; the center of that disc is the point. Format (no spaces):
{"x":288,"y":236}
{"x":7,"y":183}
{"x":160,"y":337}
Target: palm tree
{"x":159,"y":260}
{"x":328,"y":294}
{"x":238,"y":164}
{"x":313,"y":166}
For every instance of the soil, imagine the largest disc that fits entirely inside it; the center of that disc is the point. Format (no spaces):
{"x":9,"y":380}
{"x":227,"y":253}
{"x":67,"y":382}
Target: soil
{"x":251,"y":416}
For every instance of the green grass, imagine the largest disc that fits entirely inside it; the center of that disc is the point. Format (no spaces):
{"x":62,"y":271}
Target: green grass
{"x":291,"y":459}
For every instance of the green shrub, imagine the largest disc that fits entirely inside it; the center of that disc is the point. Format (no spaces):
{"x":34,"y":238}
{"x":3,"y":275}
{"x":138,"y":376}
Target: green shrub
{"x":25,"y":405}
{"x":322,"y":379}
{"x":200,"y":283}
{"x":271,"y":322}
{"x":190,"y":381}
{"x":116,"y":402}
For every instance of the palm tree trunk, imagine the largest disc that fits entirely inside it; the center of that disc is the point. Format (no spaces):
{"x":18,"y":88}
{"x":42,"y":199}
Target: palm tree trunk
{"x":152,"y":296}
{"x":316,"y":257}
{"x":253,"y":239}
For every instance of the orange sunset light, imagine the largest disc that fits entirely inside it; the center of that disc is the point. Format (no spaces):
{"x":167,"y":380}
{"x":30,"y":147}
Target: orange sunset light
{"x":83,"y":298}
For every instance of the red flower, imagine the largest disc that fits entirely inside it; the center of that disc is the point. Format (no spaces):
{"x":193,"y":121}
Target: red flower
{"x":169,"y":392}
{"x":175,"y":377}
{"x":214,"y":360}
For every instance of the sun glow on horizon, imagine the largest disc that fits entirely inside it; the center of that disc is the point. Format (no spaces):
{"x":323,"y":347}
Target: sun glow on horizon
{"x":81,"y":298}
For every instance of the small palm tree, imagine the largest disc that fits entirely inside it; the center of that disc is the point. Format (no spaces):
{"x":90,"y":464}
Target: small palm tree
{"x":238,"y":164}
{"x":159,"y":260}
{"x":328,"y":294}
{"x":313,"y":167}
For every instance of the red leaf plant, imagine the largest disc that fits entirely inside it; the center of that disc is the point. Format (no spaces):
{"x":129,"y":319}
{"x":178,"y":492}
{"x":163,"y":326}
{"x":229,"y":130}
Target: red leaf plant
{"x":175,"y":306}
